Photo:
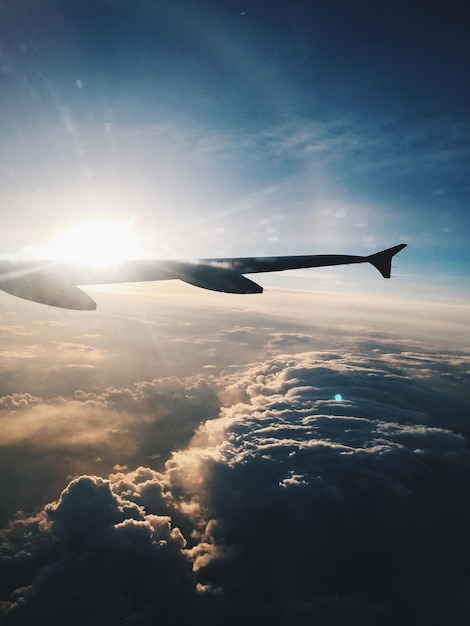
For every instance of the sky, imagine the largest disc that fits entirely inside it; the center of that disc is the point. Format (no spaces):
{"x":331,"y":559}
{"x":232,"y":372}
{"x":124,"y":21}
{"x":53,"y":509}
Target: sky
{"x":296,"y":457}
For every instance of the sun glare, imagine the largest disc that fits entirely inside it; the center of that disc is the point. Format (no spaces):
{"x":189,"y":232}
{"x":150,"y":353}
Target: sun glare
{"x":97,"y":242}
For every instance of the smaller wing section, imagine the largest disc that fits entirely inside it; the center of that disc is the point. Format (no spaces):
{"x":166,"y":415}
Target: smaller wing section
{"x":217,"y":279}
{"x":46,"y":291}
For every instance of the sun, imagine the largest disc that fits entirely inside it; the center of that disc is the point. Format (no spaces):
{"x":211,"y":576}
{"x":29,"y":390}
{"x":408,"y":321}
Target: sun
{"x":97,"y":242}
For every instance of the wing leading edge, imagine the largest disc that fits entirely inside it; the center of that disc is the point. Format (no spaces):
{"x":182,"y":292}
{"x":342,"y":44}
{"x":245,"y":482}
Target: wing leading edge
{"x":56,"y":284}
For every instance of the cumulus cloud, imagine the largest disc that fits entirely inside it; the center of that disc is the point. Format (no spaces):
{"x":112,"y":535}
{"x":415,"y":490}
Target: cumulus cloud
{"x":290,"y":507}
{"x":186,"y":402}
{"x":44,"y":441}
{"x":93,"y":556}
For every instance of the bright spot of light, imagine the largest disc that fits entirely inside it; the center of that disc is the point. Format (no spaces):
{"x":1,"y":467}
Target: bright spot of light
{"x":97,"y":242}
{"x":338,"y":397}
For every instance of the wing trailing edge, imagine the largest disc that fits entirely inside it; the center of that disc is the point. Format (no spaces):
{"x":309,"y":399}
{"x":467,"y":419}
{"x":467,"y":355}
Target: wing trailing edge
{"x":217,"y":279}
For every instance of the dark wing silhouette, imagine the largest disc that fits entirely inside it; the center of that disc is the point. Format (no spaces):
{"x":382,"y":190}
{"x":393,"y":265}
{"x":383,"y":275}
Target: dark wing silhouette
{"x":56,"y":283}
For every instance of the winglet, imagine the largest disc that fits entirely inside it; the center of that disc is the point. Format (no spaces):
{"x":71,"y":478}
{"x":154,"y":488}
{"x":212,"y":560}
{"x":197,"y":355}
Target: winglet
{"x":383,"y":260}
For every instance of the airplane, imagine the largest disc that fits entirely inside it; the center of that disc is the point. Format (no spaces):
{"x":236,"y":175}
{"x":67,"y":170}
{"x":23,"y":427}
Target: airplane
{"x":55,"y":283}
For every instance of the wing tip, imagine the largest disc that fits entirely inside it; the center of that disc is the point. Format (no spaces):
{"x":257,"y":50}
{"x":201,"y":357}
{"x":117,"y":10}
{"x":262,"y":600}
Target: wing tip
{"x":382,"y":260}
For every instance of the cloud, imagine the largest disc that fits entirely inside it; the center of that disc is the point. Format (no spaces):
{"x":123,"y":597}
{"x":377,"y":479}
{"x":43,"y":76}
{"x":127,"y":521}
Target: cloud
{"x":21,"y":331}
{"x":319,"y":503}
{"x":94,"y":556}
{"x":282,"y":341}
{"x":290,"y":507}
{"x":46,"y":440}
{"x":27,"y":418}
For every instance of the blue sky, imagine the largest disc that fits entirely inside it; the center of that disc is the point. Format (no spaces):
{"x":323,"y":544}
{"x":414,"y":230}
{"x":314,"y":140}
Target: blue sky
{"x":221,"y":128}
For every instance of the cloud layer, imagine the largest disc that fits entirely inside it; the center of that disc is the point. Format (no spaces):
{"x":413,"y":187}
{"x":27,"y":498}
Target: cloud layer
{"x":290,"y":507}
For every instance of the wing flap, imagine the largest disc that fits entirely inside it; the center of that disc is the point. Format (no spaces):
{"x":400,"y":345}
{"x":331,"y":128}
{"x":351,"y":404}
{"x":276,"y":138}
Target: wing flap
{"x":39,"y":289}
{"x":217,"y":279}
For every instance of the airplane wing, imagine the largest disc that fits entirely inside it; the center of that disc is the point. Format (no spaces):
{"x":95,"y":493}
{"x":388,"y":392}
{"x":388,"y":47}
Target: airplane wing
{"x":54,"y":283}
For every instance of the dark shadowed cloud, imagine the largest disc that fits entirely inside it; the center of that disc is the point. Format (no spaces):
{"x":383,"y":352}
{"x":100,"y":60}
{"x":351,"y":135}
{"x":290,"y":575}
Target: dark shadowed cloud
{"x":290,"y":507}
